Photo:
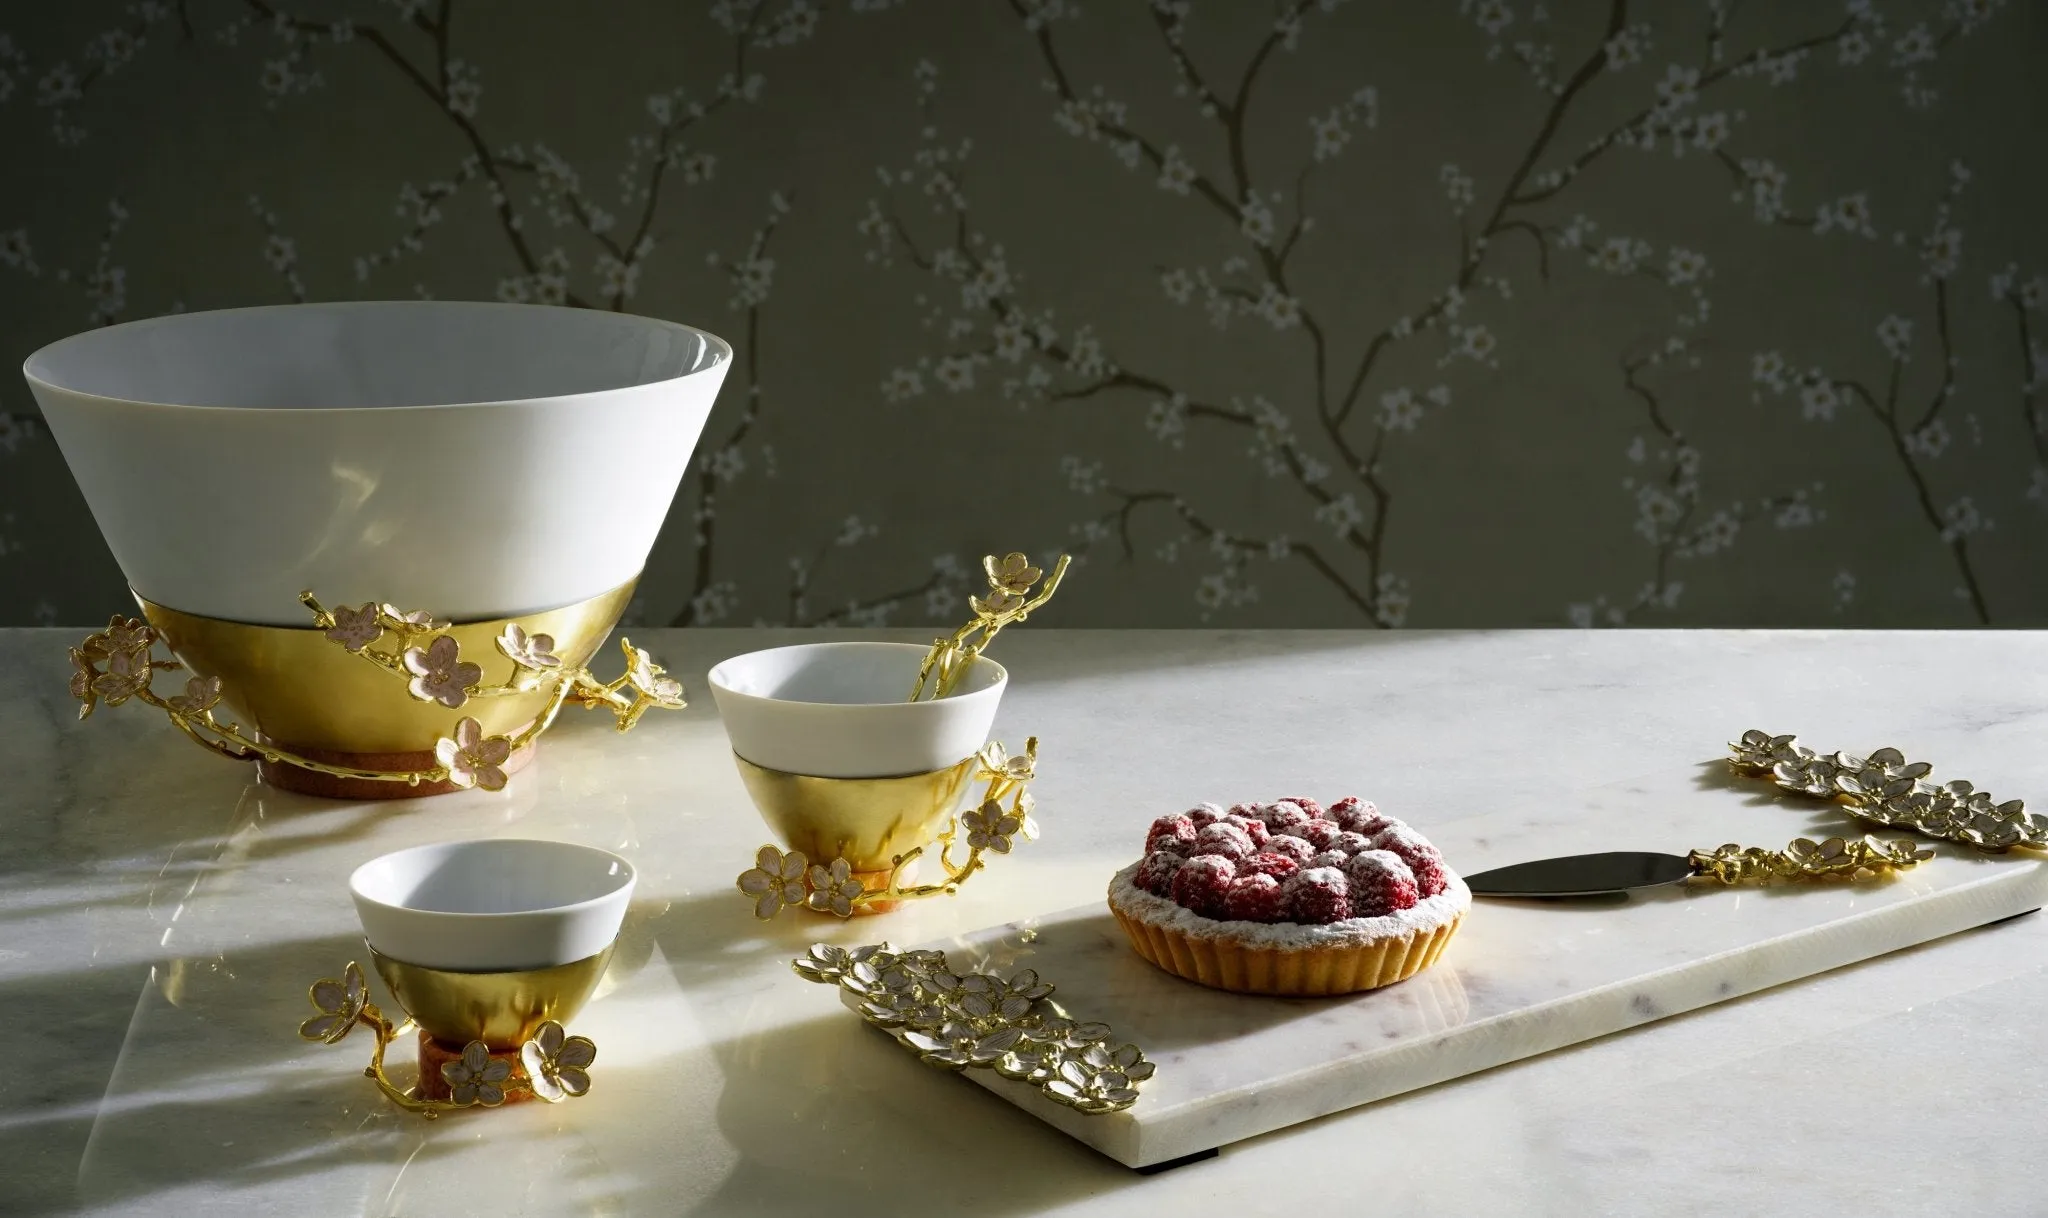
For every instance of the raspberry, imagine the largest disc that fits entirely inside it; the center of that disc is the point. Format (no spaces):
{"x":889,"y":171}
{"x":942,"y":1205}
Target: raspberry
{"x":1285,"y":816}
{"x":1355,"y":815}
{"x":1155,"y":874}
{"x":1275,"y":864}
{"x":1292,"y":848}
{"x":1317,"y":833}
{"x":1349,"y":843}
{"x":1255,"y":898}
{"x":1422,"y":858}
{"x":1318,"y":895}
{"x":1307,"y":805}
{"x":1251,"y":810}
{"x":1254,"y":829}
{"x":1184,"y":847}
{"x":1169,"y":826}
{"x":1203,"y":815}
{"x":1329,"y":858}
{"x":1202,"y":882}
{"x":1227,"y":840}
{"x":1380,"y":884}
{"x":1431,"y":876}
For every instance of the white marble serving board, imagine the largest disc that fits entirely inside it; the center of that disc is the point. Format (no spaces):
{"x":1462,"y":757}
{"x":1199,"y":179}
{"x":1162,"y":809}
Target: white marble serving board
{"x":1521,"y":977}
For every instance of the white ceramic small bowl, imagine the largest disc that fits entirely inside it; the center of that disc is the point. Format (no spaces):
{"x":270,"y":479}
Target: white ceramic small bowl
{"x":412,"y":452}
{"x":838,"y":710}
{"x":492,"y":905}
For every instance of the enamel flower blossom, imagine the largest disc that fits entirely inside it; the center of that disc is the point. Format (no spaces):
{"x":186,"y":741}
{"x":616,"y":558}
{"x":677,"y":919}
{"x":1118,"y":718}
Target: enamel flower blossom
{"x":356,"y":628}
{"x":833,"y":888}
{"x":439,"y":674}
{"x":476,"y":1077}
{"x":535,"y":651}
{"x":557,"y":1065}
{"x":201,"y":695}
{"x":340,"y":1003}
{"x":473,"y":759}
{"x":776,"y":880}
{"x":990,"y":827}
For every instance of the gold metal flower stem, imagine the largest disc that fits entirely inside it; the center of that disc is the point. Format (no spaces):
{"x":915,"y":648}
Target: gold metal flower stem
{"x":949,"y":657}
{"x":387,"y":1032}
{"x":522,"y":681}
{"x":468,"y":759}
{"x":1000,"y":814}
{"x":1001,"y":786}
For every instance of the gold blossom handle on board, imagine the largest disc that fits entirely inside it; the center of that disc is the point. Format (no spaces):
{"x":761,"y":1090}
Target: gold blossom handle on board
{"x":1805,"y":859}
{"x":1002,"y":816}
{"x":1884,"y":788}
{"x":958,"y":1019}
{"x":553,"y":1065}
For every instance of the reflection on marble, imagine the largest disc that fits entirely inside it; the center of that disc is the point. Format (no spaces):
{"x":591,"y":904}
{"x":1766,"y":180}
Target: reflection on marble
{"x":160,"y":919}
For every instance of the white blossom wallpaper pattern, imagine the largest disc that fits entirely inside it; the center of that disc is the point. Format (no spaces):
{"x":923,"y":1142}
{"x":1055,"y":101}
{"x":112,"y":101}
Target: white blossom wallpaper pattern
{"x":1296,"y":313}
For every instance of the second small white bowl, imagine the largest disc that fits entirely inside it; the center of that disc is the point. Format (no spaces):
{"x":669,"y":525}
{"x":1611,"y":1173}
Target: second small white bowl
{"x":838,"y":710}
{"x":492,"y":905}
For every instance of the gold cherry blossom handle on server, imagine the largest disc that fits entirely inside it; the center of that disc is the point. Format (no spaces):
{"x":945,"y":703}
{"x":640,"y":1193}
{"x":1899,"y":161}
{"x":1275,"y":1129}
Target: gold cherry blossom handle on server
{"x":1884,"y":788}
{"x":1805,"y":859}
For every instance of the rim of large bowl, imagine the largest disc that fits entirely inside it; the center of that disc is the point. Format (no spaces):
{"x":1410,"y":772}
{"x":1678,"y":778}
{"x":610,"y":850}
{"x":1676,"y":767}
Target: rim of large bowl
{"x":715,"y":343}
{"x":718,"y":686}
{"x":632,"y":877}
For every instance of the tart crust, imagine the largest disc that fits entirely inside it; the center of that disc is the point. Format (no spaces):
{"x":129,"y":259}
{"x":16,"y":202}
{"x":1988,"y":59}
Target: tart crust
{"x":1306,"y":961}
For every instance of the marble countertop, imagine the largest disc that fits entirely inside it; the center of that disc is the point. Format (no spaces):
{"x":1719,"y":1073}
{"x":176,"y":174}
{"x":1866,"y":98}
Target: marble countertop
{"x":151,"y":896}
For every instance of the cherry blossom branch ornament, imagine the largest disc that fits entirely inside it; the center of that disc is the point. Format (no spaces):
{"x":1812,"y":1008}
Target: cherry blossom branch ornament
{"x":118,"y":664}
{"x":1884,"y":788}
{"x":977,"y":1020}
{"x":991,"y":825}
{"x":553,"y":1065}
{"x":780,"y":880}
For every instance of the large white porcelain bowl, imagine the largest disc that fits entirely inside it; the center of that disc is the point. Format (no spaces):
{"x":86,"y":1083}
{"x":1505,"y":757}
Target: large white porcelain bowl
{"x":838,"y":710}
{"x":492,"y":904}
{"x":478,"y":461}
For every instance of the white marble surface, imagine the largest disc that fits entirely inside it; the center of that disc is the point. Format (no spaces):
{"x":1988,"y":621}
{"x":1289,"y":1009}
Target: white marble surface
{"x":1520,"y":978}
{"x":159,"y":919}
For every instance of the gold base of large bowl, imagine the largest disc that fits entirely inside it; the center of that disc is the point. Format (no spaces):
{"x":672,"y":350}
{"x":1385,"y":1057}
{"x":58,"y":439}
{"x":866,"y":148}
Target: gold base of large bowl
{"x":869,"y":822}
{"x":308,"y":694}
{"x":500,"y":1009}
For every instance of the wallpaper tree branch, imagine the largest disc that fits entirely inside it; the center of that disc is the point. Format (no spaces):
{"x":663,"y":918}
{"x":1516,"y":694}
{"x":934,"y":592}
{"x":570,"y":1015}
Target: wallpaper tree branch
{"x":1301,"y":313}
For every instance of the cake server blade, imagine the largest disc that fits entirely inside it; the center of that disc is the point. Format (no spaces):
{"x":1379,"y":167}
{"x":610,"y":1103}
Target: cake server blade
{"x":1582,"y":875}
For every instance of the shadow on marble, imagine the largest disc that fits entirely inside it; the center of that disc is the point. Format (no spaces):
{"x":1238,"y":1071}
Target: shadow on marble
{"x":711,"y":937}
{"x":206,"y":1083}
{"x":828,"y":1116}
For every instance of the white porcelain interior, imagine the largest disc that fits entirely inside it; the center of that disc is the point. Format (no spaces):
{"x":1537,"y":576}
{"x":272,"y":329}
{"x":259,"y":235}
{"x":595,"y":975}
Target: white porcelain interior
{"x":406,"y":451}
{"x":838,"y":710}
{"x":493,"y":904}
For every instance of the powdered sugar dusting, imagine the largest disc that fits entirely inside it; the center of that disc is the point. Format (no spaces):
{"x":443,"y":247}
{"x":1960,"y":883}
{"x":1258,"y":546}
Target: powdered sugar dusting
{"x":1428,"y":914}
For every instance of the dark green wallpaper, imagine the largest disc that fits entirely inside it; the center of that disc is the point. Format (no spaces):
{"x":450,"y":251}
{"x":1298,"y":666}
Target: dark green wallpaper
{"x":1276,"y":314}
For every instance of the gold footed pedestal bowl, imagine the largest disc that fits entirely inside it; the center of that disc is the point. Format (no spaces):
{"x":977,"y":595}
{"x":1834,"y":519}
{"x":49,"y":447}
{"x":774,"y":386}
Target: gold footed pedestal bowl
{"x":878,"y":826}
{"x":858,"y":756}
{"x":475,"y":486}
{"x":490,"y":947}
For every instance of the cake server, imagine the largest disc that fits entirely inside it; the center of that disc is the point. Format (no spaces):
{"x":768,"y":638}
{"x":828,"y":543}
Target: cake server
{"x":1621,"y":871}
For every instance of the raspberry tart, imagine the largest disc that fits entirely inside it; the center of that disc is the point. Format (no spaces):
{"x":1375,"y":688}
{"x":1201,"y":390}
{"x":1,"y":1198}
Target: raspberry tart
{"x":1289,"y":898}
